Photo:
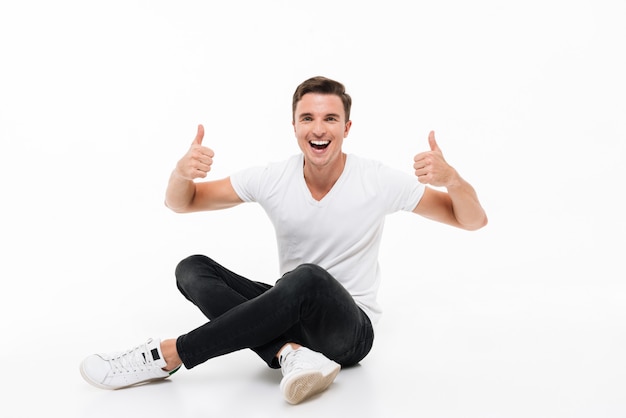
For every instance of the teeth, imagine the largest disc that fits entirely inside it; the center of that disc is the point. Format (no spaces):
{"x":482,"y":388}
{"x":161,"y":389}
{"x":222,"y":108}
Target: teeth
{"x":320,"y":142}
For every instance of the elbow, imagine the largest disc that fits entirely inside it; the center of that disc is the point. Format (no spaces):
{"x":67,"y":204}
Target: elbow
{"x":174,"y":208}
{"x":475,"y":226}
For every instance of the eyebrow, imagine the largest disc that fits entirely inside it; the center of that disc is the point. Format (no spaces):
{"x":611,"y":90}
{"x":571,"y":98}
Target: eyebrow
{"x":335,"y":115}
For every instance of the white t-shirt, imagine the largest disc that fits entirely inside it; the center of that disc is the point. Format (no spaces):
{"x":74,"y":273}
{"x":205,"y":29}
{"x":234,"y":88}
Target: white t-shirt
{"x":342,"y":231}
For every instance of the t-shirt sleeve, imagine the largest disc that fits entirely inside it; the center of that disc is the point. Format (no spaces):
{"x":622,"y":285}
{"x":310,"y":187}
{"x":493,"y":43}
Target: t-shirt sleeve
{"x":403,"y":191}
{"x":247,"y":183}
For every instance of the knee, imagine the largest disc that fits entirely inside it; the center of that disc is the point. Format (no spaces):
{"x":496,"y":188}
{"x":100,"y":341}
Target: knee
{"x":311,"y":270}
{"x":307,"y":277}
{"x":189,"y":268}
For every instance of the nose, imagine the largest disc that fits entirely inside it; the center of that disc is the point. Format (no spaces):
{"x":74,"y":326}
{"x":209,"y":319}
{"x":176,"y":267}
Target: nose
{"x":319,"y":129}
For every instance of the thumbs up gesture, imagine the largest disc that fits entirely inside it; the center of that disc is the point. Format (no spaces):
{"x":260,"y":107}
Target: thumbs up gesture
{"x":431,"y":168}
{"x":196,"y":163}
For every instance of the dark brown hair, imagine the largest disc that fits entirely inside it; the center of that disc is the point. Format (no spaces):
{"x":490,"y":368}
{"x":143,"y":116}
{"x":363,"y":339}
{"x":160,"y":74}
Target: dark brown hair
{"x":322,"y":85}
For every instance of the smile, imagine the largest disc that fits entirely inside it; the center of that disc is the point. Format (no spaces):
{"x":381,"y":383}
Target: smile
{"x":319,"y":144}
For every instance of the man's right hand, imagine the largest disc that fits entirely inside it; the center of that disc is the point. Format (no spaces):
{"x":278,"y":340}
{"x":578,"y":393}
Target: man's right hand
{"x":196,"y":163}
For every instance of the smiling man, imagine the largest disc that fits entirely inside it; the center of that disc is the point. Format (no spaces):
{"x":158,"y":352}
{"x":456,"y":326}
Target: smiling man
{"x":320,"y":124}
{"x":328,"y":210}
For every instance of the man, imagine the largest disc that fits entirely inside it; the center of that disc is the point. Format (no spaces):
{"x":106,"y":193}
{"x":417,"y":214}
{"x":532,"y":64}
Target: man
{"x":328,"y":210}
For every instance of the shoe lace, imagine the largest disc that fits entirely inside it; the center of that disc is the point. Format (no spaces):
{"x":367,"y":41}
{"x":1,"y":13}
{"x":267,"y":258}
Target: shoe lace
{"x":131,"y":360}
{"x":294,"y":361}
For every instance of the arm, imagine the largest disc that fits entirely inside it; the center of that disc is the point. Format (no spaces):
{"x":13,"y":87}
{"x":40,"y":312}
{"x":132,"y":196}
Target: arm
{"x":184,"y":195}
{"x":458,"y":207}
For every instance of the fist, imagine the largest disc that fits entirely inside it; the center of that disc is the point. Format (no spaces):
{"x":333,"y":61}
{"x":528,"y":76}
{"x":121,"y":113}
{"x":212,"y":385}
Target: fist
{"x":196,"y":163}
{"x":430,"y":166}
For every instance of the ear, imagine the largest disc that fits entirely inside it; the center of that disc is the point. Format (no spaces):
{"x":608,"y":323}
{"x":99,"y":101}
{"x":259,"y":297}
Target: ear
{"x":347,"y":129}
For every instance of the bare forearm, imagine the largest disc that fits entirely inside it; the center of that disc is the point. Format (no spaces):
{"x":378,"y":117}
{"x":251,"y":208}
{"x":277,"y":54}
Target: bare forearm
{"x":465,"y":205}
{"x":180,"y":192}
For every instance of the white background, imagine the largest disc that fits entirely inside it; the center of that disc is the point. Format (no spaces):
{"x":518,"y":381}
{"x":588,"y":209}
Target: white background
{"x":98,"y":100}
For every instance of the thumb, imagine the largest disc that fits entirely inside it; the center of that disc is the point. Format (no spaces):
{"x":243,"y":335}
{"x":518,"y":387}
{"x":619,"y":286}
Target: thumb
{"x":432,"y":142}
{"x":199,"y":135}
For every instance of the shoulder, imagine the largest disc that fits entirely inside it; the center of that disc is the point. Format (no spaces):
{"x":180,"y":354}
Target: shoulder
{"x":356,"y":162}
{"x":372,"y":168}
{"x":269,"y":168}
{"x":252,"y":183}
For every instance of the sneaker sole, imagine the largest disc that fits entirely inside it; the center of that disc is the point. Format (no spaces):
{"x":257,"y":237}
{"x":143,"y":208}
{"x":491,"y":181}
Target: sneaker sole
{"x":108,"y":387}
{"x":308,"y":383}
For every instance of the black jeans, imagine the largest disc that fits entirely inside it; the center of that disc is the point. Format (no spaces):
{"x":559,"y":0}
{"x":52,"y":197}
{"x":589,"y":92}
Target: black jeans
{"x":306,"y":306}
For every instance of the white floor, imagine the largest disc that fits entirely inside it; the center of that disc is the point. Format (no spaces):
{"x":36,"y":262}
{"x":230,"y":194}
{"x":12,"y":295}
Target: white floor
{"x":504,"y":342}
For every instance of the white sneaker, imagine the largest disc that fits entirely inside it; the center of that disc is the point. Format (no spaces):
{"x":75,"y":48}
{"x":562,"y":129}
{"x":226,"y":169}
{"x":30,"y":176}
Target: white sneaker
{"x":118,"y":370}
{"x":305,"y":373}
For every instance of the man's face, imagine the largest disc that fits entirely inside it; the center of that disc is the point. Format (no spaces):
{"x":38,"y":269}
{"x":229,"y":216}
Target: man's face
{"x":320,"y":127}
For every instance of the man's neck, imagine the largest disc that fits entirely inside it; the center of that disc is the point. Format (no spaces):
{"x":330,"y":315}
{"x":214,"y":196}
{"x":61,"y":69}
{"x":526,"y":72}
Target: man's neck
{"x":320,"y":180}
